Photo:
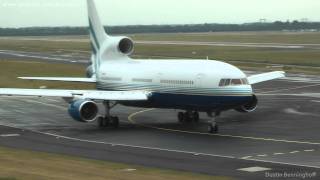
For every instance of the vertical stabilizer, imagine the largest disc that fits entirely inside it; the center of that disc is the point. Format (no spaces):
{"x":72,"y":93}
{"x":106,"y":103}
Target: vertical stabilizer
{"x":97,"y":32}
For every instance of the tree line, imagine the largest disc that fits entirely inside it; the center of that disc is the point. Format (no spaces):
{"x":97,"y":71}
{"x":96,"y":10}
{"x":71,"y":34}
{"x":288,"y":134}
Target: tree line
{"x":274,"y":26}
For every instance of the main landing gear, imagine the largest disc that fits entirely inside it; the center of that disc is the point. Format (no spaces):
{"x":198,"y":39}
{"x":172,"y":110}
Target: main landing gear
{"x":189,"y":116}
{"x":213,"y":126}
{"x":108,"y":120}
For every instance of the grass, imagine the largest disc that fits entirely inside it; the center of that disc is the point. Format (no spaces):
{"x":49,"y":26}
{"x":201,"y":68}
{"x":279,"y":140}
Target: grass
{"x":29,"y":165}
{"x":308,"y":57}
{"x":10,"y":70}
{"x":42,"y":46}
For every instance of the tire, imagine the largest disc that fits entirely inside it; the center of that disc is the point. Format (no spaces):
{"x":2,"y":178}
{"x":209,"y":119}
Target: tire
{"x":106,"y":122}
{"x":196,"y":116}
{"x":181,"y":117}
{"x":213,"y":129}
{"x":100,"y":122}
{"x":187,"y":118}
{"x":115,"y":122}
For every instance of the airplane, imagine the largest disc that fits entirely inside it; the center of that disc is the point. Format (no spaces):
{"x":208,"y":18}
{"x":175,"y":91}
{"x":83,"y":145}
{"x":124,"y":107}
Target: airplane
{"x":190,"y":86}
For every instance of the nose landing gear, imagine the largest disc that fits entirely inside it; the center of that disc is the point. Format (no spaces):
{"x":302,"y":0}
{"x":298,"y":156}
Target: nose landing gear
{"x":213,"y":127}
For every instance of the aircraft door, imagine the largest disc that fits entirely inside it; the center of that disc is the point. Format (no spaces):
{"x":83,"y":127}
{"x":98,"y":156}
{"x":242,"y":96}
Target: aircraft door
{"x":200,"y":80}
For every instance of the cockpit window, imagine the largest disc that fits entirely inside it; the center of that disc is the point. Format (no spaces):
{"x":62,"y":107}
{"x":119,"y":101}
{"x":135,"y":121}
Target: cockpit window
{"x":222,"y":82}
{"x":236,"y":82}
{"x":233,"y":82}
{"x":245,"y":81}
{"x":227,"y":82}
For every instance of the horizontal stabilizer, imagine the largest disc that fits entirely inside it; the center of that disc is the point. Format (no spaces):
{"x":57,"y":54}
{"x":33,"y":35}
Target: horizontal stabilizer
{"x":266,"y":77}
{"x":67,"y":79}
{"x":83,"y":94}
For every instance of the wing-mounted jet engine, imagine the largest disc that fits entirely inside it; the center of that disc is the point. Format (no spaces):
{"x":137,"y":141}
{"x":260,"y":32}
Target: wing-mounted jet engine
{"x":250,"y":106}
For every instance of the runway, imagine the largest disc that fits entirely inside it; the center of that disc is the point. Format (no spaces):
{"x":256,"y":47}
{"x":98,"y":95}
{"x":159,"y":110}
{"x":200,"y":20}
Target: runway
{"x":293,"y":46}
{"x":281,"y":136}
{"x":62,"y":56}
{"x":82,"y":57}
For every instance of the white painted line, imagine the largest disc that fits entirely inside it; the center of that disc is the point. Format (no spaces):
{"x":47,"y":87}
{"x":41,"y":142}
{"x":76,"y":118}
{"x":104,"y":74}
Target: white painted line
{"x":284,"y":163}
{"x":246,"y":157}
{"x":130,"y":118}
{"x":294,"y":152}
{"x":134,"y":146}
{"x":262,"y":155}
{"x":9,"y":135}
{"x":160,"y":149}
{"x":278,"y":154}
{"x":168,"y":150}
{"x":254,"y":169}
{"x":42,"y":103}
{"x":288,"y":89}
{"x":309,"y":150}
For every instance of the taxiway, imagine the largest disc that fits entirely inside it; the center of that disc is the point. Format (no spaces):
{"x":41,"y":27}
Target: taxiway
{"x":281,"y":136}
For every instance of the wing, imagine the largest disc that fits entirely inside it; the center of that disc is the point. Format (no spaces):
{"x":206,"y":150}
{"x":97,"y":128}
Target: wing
{"x":87,"y":80}
{"x":84,"y":94}
{"x":265,"y":77}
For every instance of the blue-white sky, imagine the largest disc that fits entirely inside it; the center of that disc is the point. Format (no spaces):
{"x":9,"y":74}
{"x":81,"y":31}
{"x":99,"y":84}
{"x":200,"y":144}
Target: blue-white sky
{"x":24,"y":13}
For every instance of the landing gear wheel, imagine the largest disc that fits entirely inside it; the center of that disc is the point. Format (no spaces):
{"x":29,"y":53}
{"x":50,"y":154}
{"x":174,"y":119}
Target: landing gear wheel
{"x":115,"y":122}
{"x":187,"y":118}
{"x":181,"y":117}
{"x":100,"y":121}
{"x":213,"y":129}
{"x":103,"y":122}
{"x":196,"y":116}
{"x":108,"y":120}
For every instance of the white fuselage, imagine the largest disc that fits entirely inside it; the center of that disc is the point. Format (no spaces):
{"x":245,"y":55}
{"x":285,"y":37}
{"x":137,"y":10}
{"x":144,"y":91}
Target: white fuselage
{"x":192,"y":77}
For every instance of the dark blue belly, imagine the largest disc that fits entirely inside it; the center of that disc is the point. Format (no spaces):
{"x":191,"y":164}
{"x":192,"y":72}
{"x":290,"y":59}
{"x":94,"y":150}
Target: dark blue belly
{"x":193,"y":102}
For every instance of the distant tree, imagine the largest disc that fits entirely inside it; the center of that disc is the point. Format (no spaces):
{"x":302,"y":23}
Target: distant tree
{"x":277,"y":25}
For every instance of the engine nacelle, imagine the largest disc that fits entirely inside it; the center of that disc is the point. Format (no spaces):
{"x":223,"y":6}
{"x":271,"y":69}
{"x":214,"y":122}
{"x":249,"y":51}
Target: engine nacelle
{"x":250,"y":106}
{"x":126,"y":46}
{"x":115,"y":46}
{"x":83,"y":110}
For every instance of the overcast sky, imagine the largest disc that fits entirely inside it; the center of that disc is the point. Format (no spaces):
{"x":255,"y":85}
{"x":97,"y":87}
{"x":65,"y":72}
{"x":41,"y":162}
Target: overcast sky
{"x":22,"y":13}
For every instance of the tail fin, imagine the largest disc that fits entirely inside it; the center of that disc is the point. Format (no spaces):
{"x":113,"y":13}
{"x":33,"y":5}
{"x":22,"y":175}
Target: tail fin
{"x":97,"y":32}
{"x":97,"y":35}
